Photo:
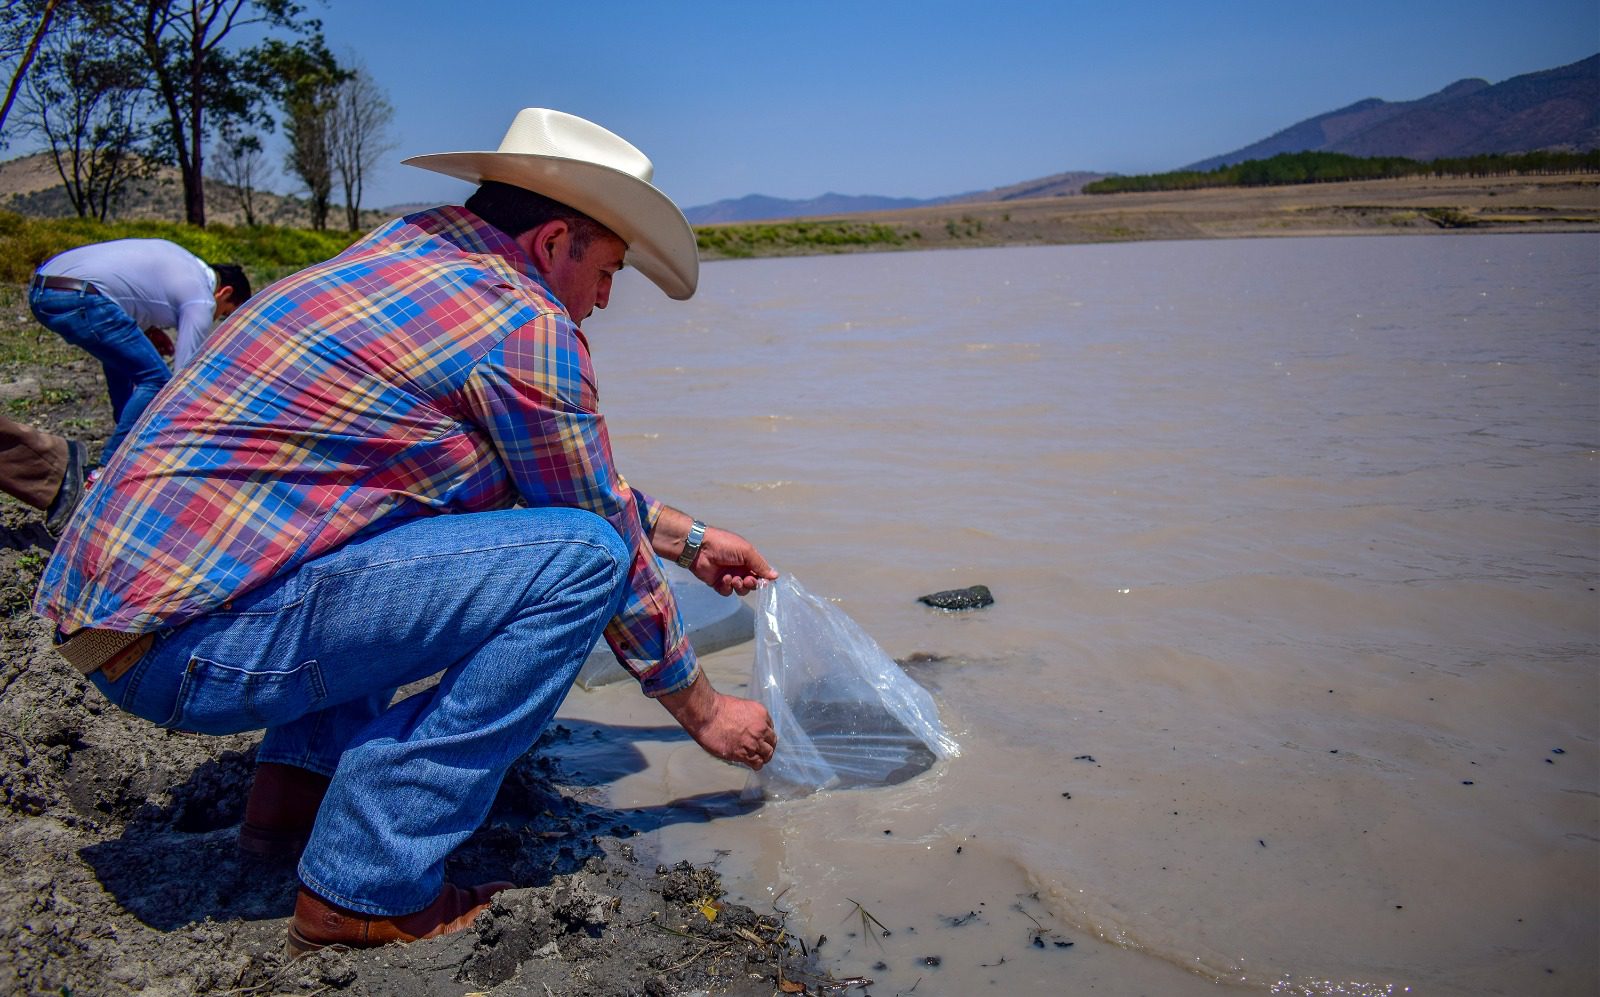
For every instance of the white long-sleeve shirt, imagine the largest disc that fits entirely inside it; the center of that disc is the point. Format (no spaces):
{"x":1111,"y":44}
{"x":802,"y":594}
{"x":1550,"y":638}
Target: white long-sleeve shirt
{"x":158,"y":283}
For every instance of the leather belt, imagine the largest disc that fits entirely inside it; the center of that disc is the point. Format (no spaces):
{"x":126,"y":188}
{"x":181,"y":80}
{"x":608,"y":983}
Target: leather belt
{"x":64,"y":284}
{"x":109,"y":651}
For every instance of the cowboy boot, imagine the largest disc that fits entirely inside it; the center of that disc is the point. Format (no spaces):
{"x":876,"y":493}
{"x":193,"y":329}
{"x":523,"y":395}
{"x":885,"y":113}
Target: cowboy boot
{"x":280,"y":811}
{"x":318,"y":923}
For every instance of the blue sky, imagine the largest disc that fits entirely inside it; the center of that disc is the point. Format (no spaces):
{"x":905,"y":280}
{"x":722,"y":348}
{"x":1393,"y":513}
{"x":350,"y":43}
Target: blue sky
{"x":918,"y":99}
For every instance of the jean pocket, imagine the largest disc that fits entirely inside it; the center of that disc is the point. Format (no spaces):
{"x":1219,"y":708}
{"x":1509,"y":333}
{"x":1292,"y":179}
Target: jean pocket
{"x":221,"y":699}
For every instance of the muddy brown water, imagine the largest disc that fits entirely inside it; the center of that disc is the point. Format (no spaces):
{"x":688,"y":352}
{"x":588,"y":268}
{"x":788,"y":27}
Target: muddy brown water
{"x":1290,"y":683}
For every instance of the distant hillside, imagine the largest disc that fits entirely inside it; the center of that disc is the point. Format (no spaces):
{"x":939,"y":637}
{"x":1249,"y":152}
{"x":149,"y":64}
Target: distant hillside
{"x":1553,"y":109}
{"x":759,"y":207}
{"x":29,"y":185}
{"x":1055,"y":185}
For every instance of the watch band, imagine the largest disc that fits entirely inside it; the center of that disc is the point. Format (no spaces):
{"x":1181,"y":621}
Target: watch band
{"x":691,"y":544}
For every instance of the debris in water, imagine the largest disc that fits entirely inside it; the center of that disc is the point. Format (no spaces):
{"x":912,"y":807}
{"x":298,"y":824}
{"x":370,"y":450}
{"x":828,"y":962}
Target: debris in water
{"x":1083,"y":758}
{"x":932,"y":960}
{"x":867,"y":918}
{"x":972,"y":597}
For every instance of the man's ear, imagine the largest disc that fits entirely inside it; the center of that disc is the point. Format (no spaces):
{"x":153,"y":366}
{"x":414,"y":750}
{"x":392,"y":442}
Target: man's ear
{"x":546,"y":243}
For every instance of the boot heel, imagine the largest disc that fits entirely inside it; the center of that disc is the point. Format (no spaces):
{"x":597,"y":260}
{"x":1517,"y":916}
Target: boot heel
{"x":296,"y":945}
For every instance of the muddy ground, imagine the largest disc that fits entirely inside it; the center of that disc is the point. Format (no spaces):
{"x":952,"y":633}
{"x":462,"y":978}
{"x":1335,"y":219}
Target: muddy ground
{"x":121,"y":873}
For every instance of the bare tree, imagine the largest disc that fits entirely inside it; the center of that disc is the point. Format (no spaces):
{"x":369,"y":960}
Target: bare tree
{"x":309,"y":122}
{"x":242,"y":165}
{"x":359,"y":137}
{"x":89,"y":108}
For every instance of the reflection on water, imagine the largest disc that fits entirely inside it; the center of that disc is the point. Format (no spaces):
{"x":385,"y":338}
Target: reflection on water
{"x":1290,"y":682}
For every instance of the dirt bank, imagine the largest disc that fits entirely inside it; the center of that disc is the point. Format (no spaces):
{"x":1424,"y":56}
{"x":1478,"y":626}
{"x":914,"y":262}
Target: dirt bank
{"x":117,"y":842}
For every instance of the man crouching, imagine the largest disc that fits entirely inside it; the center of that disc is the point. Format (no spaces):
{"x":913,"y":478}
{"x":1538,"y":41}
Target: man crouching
{"x":391,"y":466}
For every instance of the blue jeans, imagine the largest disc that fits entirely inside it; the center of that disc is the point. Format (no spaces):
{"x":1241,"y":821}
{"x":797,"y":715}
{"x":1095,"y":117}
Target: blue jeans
{"x":504,"y":606}
{"x":93,"y":322}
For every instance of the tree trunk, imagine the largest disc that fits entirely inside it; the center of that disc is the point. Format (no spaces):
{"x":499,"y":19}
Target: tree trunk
{"x":194,"y":178}
{"x":27,"y":60}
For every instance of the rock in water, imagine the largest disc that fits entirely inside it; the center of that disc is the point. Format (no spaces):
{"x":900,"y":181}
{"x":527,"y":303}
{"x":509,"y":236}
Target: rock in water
{"x":974,"y":597}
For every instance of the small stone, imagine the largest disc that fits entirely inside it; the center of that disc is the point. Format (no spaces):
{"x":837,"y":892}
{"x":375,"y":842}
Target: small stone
{"x":973,"y":597}
{"x":28,"y":387}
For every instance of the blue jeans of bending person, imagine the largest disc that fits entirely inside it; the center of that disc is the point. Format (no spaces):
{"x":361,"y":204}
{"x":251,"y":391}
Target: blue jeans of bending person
{"x":503,"y":606}
{"x":93,"y":322}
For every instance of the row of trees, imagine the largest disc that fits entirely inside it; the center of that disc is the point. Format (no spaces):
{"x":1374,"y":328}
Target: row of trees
{"x":1327,"y":167}
{"x":116,"y":87}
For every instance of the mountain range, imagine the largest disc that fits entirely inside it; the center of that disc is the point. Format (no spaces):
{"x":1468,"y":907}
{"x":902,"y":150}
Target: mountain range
{"x":755,"y":207}
{"x":1553,"y":109}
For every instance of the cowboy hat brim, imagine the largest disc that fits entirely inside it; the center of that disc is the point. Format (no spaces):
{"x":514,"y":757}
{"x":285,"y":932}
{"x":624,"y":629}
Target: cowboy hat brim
{"x":661,"y":244}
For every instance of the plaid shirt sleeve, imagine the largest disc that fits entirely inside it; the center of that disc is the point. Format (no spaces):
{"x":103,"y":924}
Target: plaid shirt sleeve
{"x":535,"y":395}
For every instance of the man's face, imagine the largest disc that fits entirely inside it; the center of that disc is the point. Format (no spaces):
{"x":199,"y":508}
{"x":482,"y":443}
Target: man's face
{"x":225,"y":304}
{"x":584,"y":284}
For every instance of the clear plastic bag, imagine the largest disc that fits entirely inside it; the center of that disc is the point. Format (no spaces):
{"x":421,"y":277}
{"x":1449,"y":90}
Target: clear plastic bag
{"x":845,"y":714}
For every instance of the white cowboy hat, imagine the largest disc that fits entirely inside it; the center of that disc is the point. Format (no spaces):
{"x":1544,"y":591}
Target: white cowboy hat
{"x":597,"y":172}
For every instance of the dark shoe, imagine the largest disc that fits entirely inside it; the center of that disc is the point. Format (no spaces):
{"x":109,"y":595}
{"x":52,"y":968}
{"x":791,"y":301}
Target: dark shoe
{"x":69,"y":494}
{"x":318,"y":923}
{"x":280,"y":811}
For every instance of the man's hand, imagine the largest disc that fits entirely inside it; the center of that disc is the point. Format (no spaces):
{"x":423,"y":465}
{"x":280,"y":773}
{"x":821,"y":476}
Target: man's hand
{"x":161,"y":341}
{"x":727,"y":562}
{"x":727,"y":727}
{"x":730,"y":564}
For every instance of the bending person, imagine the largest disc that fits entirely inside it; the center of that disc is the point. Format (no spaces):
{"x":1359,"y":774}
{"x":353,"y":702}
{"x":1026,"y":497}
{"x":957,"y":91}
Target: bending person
{"x":109,"y":298}
{"x":328,"y":508}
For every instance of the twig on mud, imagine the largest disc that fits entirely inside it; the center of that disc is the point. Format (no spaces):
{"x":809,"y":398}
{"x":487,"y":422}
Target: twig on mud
{"x":671,"y":931}
{"x":277,"y":977}
{"x":708,"y":946}
{"x":828,"y":982}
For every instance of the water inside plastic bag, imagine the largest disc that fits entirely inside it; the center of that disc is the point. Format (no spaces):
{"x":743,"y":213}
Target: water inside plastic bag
{"x":845,"y":714}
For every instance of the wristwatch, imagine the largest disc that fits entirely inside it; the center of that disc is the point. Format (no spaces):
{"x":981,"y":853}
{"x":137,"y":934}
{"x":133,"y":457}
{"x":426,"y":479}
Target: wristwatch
{"x":691,"y":544}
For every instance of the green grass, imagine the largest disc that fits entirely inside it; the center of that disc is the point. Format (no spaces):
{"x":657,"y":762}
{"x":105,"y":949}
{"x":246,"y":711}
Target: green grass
{"x":775,"y":238}
{"x":265,"y":252}
{"x":24,"y":341}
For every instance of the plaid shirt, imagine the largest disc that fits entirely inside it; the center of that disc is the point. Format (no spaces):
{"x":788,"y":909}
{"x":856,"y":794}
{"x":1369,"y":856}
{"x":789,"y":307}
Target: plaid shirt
{"x":425,"y":370}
